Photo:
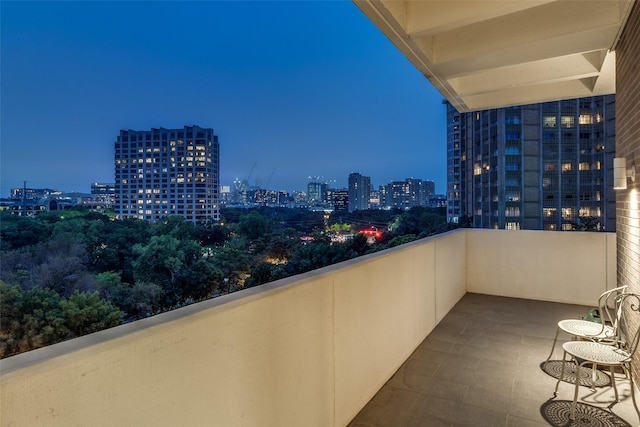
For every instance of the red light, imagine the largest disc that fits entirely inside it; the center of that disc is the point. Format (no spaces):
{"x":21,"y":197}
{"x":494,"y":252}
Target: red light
{"x":371,"y":232}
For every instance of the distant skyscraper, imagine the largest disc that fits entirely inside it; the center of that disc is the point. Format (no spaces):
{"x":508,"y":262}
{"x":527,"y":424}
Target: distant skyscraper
{"x":540,"y":167}
{"x":359,"y":191}
{"x":163,"y":172}
{"x":341,"y":201}
{"x":314,"y":192}
{"x":407,"y":194}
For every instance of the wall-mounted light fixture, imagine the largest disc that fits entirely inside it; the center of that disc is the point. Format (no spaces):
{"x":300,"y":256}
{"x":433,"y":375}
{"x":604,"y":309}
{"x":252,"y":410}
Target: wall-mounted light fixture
{"x":621,"y":173}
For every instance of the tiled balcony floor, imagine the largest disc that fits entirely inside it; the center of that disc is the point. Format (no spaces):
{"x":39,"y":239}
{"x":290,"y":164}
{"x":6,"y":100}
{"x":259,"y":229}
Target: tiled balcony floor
{"x":481,"y":366}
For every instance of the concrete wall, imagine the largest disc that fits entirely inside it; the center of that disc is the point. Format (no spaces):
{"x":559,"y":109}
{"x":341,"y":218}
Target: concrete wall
{"x":567,"y":267}
{"x":306,"y":351}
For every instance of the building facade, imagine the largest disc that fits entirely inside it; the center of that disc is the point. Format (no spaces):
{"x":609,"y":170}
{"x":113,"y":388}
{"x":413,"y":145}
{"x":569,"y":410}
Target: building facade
{"x":341,"y":201}
{"x":359,"y":191}
{"x":546,"y":166}
{"x":406,"y":194}
{"x":161,"y":172}
{"x":316,"y":192}
{"x":33,"y":193}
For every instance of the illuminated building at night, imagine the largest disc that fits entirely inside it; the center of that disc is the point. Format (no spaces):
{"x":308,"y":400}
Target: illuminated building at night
{"x":316,"y":191}
{"x":163,"y":172}
{"x":546,"y":166}
{"x":406,"y":194}
{"x":341,"y":200}
{"x":359,"y":192}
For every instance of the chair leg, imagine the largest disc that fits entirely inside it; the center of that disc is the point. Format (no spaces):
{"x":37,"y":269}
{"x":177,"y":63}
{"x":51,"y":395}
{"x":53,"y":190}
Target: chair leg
{"x":555,"y":340}
{"x":575,"y":393}
{"x":594,"y":376}
{"x":633,"y":393}
{"x":615,"y":386}
{"x":564,"y":356}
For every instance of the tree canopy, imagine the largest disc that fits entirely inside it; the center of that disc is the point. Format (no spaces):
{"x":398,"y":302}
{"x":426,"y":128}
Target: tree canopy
{"x":76,"y":272}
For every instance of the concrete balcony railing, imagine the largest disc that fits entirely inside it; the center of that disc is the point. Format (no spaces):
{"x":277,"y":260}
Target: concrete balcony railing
{"x":309,"y":350}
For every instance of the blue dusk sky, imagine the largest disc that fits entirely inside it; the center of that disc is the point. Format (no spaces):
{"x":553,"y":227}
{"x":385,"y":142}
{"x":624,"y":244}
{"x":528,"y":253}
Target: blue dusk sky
{"x":292,"y":89}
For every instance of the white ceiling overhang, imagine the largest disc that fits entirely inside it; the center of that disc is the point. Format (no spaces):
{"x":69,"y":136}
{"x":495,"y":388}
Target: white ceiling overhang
{"x":489,"y":54}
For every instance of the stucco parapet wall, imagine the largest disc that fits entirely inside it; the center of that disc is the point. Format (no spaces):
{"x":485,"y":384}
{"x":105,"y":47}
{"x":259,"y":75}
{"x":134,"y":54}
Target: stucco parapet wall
{"x":223,"y":302}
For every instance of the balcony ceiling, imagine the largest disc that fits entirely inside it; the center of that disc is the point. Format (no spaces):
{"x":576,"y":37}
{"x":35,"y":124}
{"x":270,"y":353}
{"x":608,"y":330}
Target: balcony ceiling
{"x":489,"y":54}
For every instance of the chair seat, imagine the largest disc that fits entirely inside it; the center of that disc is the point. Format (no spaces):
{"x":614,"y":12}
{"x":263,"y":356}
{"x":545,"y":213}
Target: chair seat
{"x":601,"y":354}
{"x":585,"y":328}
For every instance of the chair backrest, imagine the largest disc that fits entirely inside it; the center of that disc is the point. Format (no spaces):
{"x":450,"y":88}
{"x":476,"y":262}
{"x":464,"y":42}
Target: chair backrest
{"x":607,"y":302}
{"x":629,"y":322}
{"x":610,"y":309}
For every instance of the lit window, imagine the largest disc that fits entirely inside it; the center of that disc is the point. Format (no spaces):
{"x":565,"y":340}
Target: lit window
{"x":512,"y":211}
{"x":567,"y":121}
{"x":477,"y":170}
{"x":585,"y":119}
{"x":566,"y":167}
{"x":549,"y":121}
{"x":583,"y":166}
{"x":585,"y":211}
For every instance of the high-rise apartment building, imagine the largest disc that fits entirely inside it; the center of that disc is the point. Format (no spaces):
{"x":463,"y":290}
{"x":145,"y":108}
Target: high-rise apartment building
{"x":161,"y":172}
{"x":316,"y":192}
{"x":359,"y":191}
{"x":341,"y":200}
{"x":406,"y":194}
{"x":542,"y":166}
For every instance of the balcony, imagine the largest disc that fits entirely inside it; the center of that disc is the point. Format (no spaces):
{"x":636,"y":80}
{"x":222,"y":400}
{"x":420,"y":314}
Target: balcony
{"x":481,"y":366}
{"x":315,"y":349}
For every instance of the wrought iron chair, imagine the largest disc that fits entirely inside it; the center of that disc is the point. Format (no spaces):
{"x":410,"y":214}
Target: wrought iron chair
{"x":614,"y":354}
{"x":586,"y":329}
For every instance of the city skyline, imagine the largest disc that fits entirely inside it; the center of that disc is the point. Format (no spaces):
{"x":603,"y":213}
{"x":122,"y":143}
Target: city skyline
{"x":288,"y":97}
